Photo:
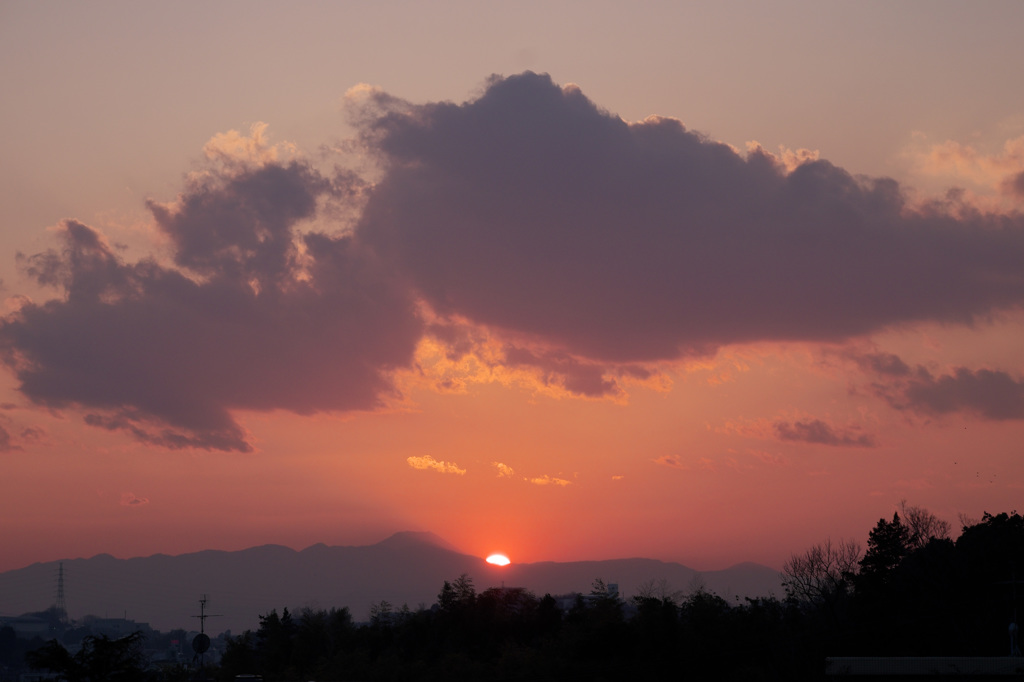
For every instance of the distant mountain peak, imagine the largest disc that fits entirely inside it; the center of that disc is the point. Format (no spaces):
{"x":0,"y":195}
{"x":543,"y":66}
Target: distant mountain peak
{"x":411,"y":538}
{"x":318,"y":547}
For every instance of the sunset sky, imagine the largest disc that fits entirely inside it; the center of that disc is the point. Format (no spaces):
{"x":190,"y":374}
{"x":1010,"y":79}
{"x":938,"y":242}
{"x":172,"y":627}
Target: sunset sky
{"x":699,"y":282}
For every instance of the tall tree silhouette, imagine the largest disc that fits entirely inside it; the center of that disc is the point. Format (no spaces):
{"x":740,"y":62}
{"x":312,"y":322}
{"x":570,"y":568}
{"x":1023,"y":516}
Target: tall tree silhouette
{"x":888,"y":544}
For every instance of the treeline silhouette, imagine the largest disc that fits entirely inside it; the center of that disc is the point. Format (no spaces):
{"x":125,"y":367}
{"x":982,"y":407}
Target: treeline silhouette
{"x":914,"y":591}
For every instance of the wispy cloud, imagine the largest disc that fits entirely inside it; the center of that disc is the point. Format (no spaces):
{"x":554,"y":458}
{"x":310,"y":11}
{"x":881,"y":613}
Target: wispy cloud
{"x":235,"y":149}
{"x":581,"y":378}
{"x":548,"y":480}
{"x":131,"y":500}
{"x":768,"y":457}
{"x":504,"y":470}
{"x":454,"y":354}
{"x":428,"y":462}
{"x":12,"y":436}
{"x":670,"y":461}
{"x":6,"y":443}
{"x":1002,"y":170}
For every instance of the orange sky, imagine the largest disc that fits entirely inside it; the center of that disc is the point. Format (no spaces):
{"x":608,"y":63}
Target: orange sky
{"x":680,"y":282}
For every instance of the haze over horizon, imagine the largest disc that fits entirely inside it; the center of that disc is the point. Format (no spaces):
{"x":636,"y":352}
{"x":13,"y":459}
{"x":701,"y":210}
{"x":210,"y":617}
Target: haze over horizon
{"x":562,"y":281}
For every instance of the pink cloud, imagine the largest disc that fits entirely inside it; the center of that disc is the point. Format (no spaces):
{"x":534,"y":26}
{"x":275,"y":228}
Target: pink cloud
{"x":965,"y":162}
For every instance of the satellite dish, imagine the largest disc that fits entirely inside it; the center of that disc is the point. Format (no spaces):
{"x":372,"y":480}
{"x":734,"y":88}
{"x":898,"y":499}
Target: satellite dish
{"x":201,"y":643}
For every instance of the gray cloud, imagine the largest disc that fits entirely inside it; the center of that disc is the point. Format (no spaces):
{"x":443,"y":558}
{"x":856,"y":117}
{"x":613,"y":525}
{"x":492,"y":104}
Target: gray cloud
{"x":886,"y":364}
{"x":990,"y":394}
{"x":577,"y":377}
{"x":532,"y":210}
{"x":1014,"y":185}
{"x":244,"y":323}
{"x":6,"y":442}
{"x":818,"y":432}
{"x":986,"y":393}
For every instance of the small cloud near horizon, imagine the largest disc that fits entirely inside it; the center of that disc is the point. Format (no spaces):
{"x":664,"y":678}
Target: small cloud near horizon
{"x":504,"y":470}
{"x":427,"y":462}
{"x":548,"y":480}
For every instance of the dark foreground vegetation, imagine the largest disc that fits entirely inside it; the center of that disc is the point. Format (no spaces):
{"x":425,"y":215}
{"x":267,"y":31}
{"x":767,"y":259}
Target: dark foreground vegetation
{"x":913,"y":592}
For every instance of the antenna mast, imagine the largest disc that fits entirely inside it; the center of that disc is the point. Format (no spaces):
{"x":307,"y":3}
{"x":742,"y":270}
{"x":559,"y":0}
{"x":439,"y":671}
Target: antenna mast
{"x":201,"y":642}
{"x":62,"y":609}
{"x":203,"y":615}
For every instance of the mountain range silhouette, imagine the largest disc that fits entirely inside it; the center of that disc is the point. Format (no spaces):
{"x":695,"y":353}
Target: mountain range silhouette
{"x":408,"y":568}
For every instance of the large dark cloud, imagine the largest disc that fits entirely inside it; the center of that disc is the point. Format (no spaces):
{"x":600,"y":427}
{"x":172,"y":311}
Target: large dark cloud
{"x":531,"y":210}
{"x":247,"y":321}
{"x":586,"y":244}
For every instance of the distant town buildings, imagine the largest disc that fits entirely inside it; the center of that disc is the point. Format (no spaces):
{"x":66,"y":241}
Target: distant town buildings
{"x":27,"y":626}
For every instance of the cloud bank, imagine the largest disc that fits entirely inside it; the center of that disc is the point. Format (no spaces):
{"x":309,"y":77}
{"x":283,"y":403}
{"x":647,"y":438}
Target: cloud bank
{"x":590,"y":244}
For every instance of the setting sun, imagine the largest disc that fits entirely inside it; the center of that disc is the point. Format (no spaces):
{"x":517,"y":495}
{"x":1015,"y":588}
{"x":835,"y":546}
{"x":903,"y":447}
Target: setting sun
{"x":498,"y":560}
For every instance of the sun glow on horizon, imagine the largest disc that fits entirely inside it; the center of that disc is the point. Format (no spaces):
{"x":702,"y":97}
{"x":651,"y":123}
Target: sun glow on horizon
{"x":498,"y":560}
